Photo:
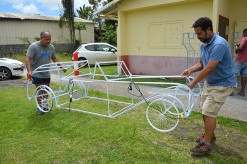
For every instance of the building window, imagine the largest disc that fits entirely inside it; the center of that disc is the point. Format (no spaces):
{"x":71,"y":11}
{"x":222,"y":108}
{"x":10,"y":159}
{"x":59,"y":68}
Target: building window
{"x":165,"y":34}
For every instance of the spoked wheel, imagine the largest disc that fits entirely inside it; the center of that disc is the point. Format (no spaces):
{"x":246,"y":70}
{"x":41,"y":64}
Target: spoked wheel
{"x":162,"y":115}
{"x":44,"y":99}
{"x":77,"y":90}
{"x":5,"y":73}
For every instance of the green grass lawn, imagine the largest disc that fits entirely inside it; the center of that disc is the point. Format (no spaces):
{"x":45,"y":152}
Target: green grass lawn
{"x":72,"y":137}
{"x":61,"y":136}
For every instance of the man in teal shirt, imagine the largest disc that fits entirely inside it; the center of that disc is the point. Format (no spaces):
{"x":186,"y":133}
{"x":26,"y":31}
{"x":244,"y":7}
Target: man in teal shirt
{"x":216,"y":68}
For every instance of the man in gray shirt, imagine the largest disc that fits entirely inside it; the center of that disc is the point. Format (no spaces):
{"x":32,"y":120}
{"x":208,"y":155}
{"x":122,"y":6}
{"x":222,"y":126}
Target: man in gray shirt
{"x":39,"y":53}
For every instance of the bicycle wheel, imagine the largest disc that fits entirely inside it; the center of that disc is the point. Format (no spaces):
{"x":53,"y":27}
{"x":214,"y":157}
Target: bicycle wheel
{"x":162,"y":115}
{"x":44,"y":99}
{"x":77,"y":89}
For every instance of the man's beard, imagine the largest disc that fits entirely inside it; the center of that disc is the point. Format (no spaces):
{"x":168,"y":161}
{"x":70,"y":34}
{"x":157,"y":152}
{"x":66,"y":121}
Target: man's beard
{"x":206,"y":39}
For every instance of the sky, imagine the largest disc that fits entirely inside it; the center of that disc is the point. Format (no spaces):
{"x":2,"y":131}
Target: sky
{"x":44,"y":7}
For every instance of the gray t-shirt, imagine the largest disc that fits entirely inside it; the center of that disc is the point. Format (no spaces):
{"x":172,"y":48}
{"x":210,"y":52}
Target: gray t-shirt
{"x":40,"y":55}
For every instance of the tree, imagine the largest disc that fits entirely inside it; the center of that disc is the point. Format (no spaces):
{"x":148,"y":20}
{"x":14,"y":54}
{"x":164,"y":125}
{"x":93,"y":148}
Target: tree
{"x":67,"y":18}
{"x":95,"y":5}
{"x":80,"y":26}
{"x":106,"y":2}
{"x":105,"y":30}
{"x":109,"y":29}
{"x":86,"y":12}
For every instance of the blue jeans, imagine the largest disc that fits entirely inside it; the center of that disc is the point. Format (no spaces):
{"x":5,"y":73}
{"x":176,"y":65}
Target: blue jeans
{"x":240,"y":68}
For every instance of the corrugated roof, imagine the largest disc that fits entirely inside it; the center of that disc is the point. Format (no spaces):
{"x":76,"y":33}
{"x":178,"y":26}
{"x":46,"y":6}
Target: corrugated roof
{"x":25,"y":16}
{"x":9,"y":15}
{"x":108,"y":7}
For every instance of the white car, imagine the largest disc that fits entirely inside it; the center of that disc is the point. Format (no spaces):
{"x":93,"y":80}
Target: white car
{"x":100,"y":52}
{"x":9,"y":68}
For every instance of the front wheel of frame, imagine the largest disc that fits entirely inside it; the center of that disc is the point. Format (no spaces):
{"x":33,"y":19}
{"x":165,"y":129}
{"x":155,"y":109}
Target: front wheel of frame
{"x":162,"y":115}
{"x":44,"y":99}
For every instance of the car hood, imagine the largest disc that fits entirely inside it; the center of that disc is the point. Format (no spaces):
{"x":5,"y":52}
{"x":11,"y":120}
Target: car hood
{"x":10,"y":61}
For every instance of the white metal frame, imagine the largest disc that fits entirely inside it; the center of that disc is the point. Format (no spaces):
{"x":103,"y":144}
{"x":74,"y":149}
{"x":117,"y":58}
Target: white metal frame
{"x":176,"y":100}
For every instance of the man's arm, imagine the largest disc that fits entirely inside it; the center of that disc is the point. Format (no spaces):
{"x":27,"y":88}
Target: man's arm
{"x":240,"y":48}
{"x":241,"y":45}
{"x":197,"y":67}
{"x":54,"y":59}
{"x":28,"y":66}
{"x":204,"y":73}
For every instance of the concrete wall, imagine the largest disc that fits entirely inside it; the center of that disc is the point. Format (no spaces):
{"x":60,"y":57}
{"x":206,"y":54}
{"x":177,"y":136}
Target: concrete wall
{"x":13,"y":31}
{"x":17,"y":34}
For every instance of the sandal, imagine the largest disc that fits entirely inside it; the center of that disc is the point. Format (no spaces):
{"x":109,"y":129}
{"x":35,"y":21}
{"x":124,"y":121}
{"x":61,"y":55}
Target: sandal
{"x":200,"y":139}
{"x":241,"y":94}
{"x":201,"y":149}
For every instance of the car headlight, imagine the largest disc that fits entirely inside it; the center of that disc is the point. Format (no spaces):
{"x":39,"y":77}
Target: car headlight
{"x":17,"y":64}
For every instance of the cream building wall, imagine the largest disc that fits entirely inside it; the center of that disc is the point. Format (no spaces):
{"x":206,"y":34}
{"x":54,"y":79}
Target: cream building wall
{"x":235,"y":11}
{"x":155,"y":37}
{"x":238,"y":18}
{"x":152,"y":37}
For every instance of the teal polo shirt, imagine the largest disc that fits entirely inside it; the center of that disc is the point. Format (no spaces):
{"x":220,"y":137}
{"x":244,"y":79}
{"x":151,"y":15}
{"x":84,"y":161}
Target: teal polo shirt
{"x":219,"y":50}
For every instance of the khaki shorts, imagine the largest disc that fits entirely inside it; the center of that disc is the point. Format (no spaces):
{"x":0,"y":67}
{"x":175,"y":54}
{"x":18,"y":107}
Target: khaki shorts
{"x":212,"y":98}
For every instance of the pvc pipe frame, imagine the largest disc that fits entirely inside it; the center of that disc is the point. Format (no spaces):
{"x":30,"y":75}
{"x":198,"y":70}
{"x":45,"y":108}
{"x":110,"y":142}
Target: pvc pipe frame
{"x":124,"y":76}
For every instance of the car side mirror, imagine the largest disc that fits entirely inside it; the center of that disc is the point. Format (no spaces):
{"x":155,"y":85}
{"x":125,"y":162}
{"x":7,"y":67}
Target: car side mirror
{"x":113,"y":50}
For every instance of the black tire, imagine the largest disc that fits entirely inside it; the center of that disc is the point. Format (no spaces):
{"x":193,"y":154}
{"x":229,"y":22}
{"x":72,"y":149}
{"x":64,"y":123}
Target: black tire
{"x":5,"y":73}
{"x":79,"y":59}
